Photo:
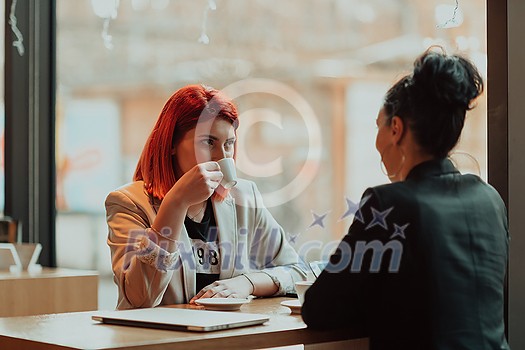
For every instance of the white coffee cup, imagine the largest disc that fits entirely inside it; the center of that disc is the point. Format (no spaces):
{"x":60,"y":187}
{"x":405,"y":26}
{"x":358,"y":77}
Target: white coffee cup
{"x":300,"y":288}
{"x":229,"y":174}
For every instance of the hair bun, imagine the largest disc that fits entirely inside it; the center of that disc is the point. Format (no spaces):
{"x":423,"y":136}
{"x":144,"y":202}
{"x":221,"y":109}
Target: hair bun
{"x":450,"y":81}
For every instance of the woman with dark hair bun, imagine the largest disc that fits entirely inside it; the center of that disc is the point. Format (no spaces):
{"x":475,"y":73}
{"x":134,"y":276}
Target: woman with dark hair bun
{"x":424,"y":262}
{"x":434,"y":99}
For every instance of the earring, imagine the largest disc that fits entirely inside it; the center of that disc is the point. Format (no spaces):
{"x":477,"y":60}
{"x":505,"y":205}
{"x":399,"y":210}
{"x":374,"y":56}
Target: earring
{"x":383,"y":167}
{"x":463,"y":166}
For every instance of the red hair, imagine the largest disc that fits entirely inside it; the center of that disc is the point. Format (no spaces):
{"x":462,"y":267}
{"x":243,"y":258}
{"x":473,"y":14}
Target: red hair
{"x":181,"y":113}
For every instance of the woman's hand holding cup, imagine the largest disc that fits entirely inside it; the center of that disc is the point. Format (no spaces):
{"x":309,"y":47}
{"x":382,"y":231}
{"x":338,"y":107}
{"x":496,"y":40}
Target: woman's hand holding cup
{"x":198,"y":184}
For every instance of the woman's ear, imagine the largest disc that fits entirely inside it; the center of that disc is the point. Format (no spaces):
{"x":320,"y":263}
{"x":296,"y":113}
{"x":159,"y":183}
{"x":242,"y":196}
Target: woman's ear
{"x":398,"y":129}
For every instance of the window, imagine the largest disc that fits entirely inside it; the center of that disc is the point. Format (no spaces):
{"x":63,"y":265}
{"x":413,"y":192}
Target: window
{"x":2,"y":109}
{"x":307,"y":76}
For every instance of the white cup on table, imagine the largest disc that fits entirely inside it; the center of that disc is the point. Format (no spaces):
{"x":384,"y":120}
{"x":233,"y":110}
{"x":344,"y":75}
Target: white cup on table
{"x":300,"y":288}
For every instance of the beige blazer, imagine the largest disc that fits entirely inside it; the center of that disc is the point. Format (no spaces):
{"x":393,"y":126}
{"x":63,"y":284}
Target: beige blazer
{"x":249,"y":240}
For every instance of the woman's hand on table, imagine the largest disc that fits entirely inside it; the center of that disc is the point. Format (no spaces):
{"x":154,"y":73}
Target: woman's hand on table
{"x":237,"y":287}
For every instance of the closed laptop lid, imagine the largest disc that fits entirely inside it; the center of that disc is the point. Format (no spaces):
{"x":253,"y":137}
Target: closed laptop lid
{"x":180,"y":319}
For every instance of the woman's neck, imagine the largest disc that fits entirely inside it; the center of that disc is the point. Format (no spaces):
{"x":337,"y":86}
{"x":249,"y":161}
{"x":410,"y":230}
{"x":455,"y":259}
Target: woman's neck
{"x":411,"y":160}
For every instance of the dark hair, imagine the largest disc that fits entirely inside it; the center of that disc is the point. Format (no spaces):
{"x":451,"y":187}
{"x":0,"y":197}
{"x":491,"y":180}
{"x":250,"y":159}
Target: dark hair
{"x":181,"y":113}
{"x":434,"y":99}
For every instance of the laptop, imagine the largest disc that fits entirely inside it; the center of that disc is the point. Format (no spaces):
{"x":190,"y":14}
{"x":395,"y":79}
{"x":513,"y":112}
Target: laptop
{"x":180,"y":319}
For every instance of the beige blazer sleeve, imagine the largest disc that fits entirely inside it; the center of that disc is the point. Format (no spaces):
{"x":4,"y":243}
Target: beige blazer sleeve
{"x":142,"y":270}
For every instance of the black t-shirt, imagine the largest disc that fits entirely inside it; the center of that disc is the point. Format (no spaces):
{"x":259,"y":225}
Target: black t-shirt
{"x":205,"y":247}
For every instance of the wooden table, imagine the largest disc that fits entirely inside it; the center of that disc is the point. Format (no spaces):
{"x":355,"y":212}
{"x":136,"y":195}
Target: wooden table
{"x":51,"y":290}
{"x":78,"y":331}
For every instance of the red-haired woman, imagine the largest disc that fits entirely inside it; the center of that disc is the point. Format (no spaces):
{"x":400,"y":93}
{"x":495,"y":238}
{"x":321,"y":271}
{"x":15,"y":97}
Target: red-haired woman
{"x":176,"y":235}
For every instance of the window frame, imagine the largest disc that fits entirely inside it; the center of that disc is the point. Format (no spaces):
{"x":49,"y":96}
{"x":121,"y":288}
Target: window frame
{"x":30,"y":124}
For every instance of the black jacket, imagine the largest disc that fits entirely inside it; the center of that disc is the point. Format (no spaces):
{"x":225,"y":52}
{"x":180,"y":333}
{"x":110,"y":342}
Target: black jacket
{"x":422,"y":266}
